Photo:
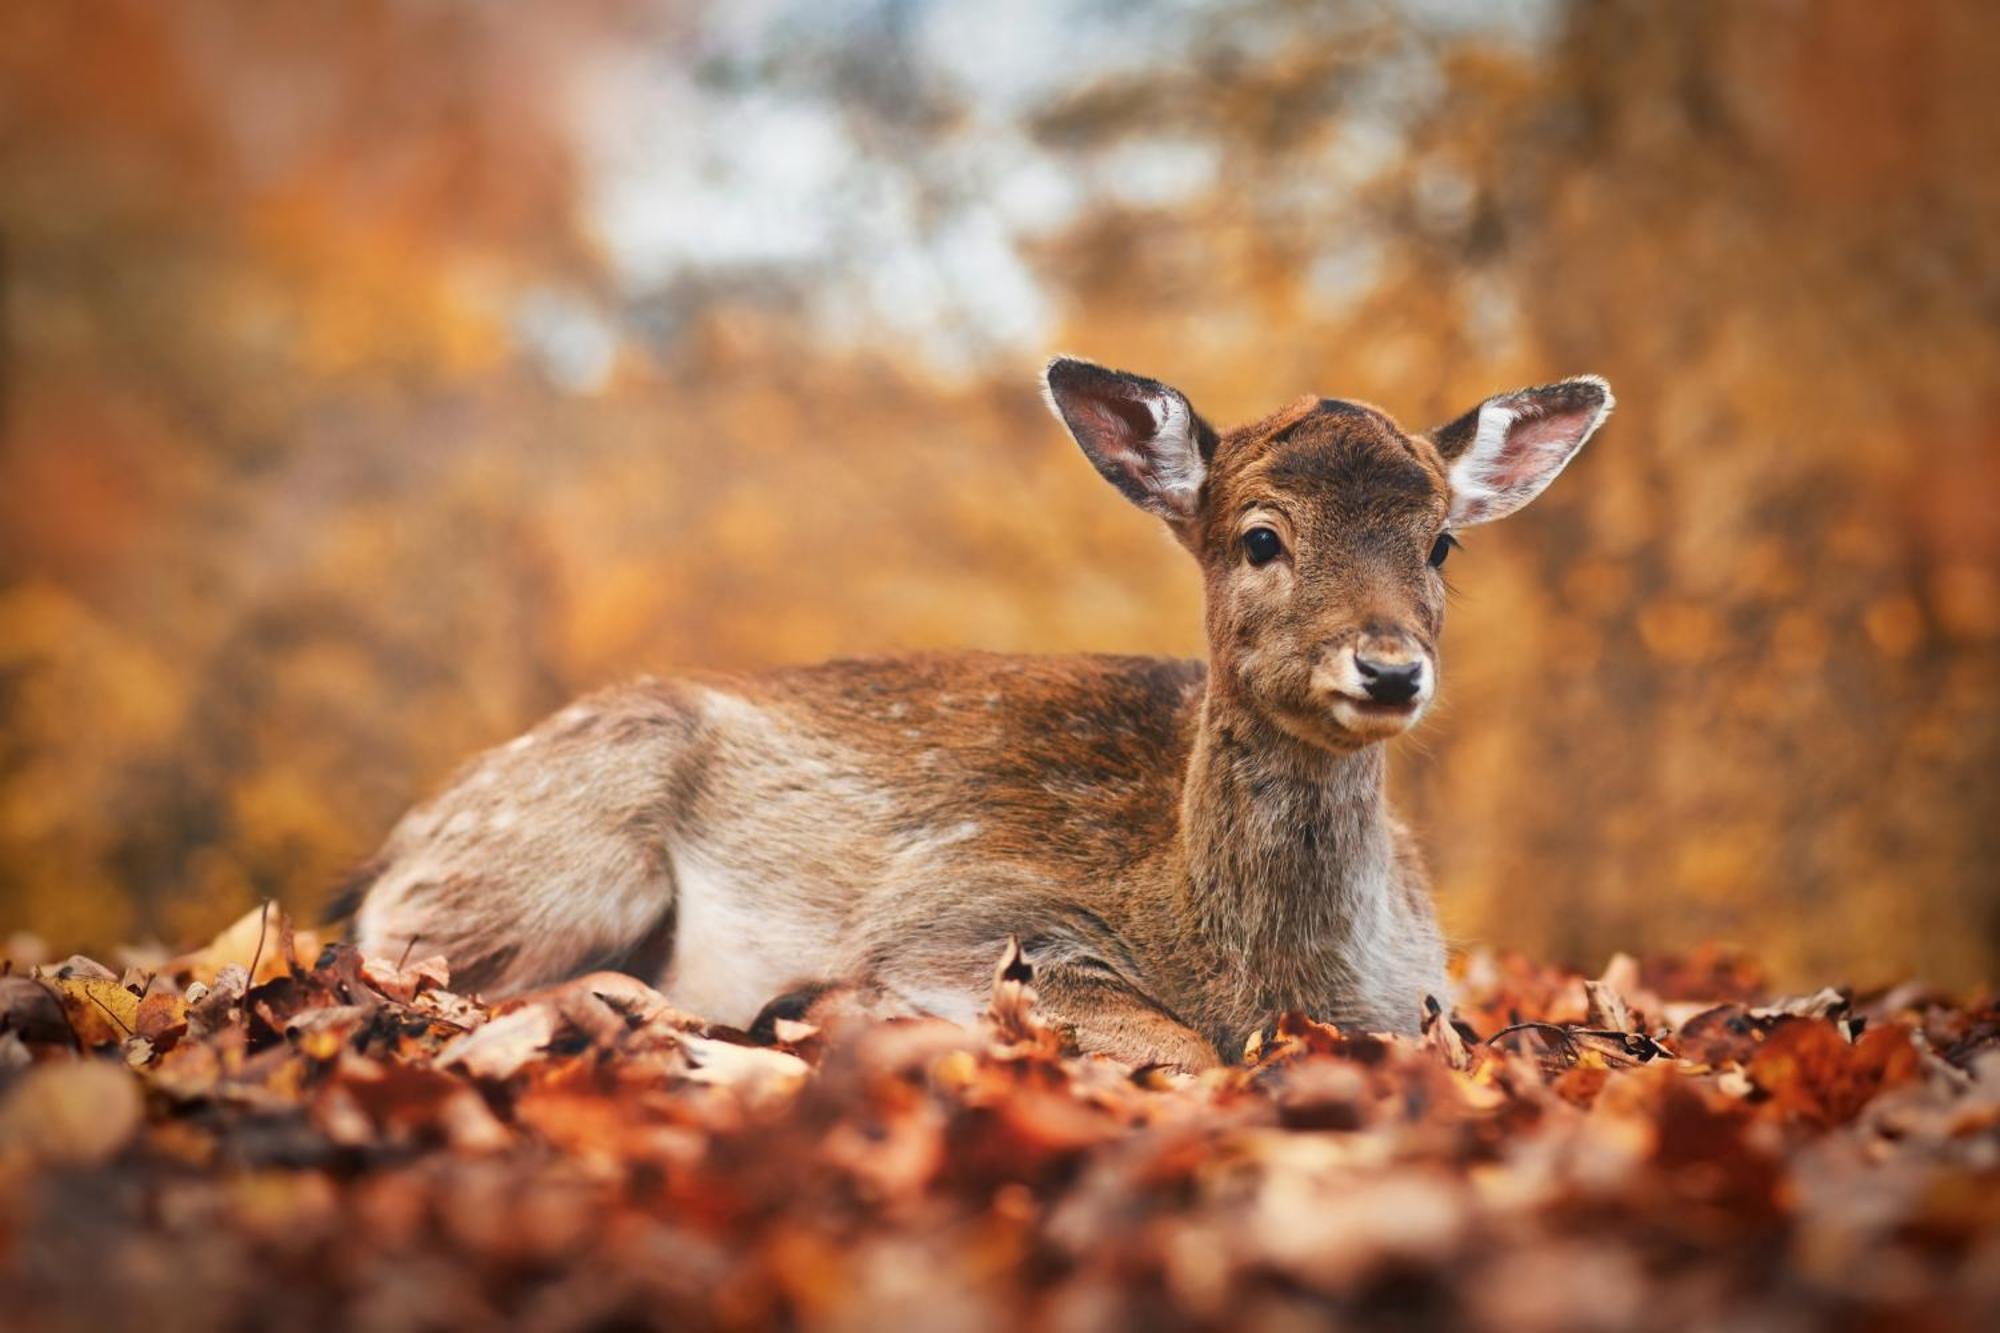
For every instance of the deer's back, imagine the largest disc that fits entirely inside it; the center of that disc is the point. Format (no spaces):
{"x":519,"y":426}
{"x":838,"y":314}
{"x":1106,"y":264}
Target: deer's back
{"x":1069,"y":762}
{"x":796,"y":823}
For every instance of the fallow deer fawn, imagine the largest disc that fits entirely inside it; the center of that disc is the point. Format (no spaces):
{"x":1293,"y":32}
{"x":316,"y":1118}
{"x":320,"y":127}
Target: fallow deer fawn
{"x":1183,"y":850}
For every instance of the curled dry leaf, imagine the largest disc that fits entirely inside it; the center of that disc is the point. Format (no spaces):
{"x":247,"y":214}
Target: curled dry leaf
{"x":756,"y":1069}
{"x":1828,"y":1002}
{"x":162,"y":1018}
{"x":1443,"y":1037}
{"x":78,"y":968}
{"x":638,"y":1003}
{"x":99,"y":1010}
{"x":32,"y":1009}
{"x":1011,"y":1010}
{"x":1808,"y":1069}
{"x":1607,"y":1008}
{"x":403,"y":982}
{"x":261,"y":942}
{"x":501,"y":1048}
{"x":214,"y":1007}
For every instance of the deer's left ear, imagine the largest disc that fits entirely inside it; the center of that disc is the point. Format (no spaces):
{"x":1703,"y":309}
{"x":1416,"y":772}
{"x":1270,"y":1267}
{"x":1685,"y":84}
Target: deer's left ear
{"x":1507,"y":450}
{"x":1139,"y":434}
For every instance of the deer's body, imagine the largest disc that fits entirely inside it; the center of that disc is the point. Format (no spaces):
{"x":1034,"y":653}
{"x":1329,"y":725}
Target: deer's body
{"x":1183,"y":851}
{"x":894,"y":822}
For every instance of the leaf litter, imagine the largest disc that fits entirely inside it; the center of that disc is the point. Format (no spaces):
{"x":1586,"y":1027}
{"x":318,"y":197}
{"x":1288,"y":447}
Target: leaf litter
{"x":275,"y":1133}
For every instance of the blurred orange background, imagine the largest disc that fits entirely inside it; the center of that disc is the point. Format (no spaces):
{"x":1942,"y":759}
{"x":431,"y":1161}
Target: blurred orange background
{"x":377,"y":375}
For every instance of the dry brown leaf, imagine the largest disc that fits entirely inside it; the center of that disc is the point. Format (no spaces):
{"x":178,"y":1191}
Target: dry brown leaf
{"x":757,"y":1069}
{"x":263,"y":939}
{"x":1444,"y":1038}
{"x":100,"y":1011}
{"x":502,"y":1047}
{"x":1809,"y":1070}
{"x":213,"y":1006}
{"x":1011,"y":1009}
{"x":1607,"y":1008}
{"x":162,"y":1018}
{"x":34,"y":1010}
{"x":790,"y":1032}
{"x":403,"y":982}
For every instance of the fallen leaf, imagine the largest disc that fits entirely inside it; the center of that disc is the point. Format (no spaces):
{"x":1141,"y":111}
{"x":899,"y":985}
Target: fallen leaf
{"x":162,"y":1018}
{"x":34,"y":1010}
{"x":100,"y":1011}
{"x":1608,"y":1010}
{"x":1810,"y":1071}
{"x":758,"y":1068}
{"x":499,"y":1049}
{"x":402,"y":983}
{"x":1443,"y":1037}
{"x":255,"y":939}
{"x":217,"y":1004}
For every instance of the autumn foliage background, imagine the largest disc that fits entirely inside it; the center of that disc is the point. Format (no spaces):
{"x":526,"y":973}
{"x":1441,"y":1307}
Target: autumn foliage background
{"x":378,"y":375}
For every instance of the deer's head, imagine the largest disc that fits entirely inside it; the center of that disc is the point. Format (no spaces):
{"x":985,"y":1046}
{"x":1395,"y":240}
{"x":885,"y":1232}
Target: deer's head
{"x":1321,"y":529}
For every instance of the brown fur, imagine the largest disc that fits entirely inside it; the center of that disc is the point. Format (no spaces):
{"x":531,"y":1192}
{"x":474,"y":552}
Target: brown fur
{"x":1183,"y":851}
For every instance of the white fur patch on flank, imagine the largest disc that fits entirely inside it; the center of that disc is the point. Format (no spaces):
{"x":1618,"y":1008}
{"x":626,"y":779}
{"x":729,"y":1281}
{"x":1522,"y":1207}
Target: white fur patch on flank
{"x":732,"y":955}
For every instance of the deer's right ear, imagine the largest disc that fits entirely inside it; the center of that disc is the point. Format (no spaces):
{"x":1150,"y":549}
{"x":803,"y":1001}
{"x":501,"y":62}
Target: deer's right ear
{"x":1141,"y":435}
{"x":1504,"y":452}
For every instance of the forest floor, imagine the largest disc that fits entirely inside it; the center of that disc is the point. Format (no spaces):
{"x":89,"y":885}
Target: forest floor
{"x":269,"y":1133}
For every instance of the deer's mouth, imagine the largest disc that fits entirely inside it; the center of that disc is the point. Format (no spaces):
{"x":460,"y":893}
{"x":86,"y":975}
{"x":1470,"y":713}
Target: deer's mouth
{"x":1375,"y":718}
{"x":1378,"y":707}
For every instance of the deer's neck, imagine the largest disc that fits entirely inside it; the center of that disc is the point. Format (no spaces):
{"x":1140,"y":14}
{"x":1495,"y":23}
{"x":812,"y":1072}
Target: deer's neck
{"x":1287,"y":865}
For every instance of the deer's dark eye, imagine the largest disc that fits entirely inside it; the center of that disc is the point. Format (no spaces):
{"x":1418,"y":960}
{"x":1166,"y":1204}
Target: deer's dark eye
{"x":1262,"y":546}
{"x":1441,"y":548}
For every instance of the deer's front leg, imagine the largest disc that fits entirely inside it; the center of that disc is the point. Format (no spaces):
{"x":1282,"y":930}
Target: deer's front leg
{"x":1103,"y":1013}
{"x":1095,"y":1010}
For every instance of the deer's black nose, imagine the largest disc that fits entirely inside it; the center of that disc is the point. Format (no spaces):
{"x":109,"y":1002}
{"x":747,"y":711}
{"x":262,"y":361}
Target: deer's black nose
{"x":1390,"y":682}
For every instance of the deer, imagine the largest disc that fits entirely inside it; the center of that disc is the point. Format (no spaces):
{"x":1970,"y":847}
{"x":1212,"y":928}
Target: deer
{"x":1177,"y":852}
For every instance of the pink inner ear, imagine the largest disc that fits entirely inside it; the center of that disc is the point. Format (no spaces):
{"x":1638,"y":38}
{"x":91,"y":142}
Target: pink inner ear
{"x":1117,"y":429}
{"x":1533,"y":446}
{"x":1115,"y":423}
